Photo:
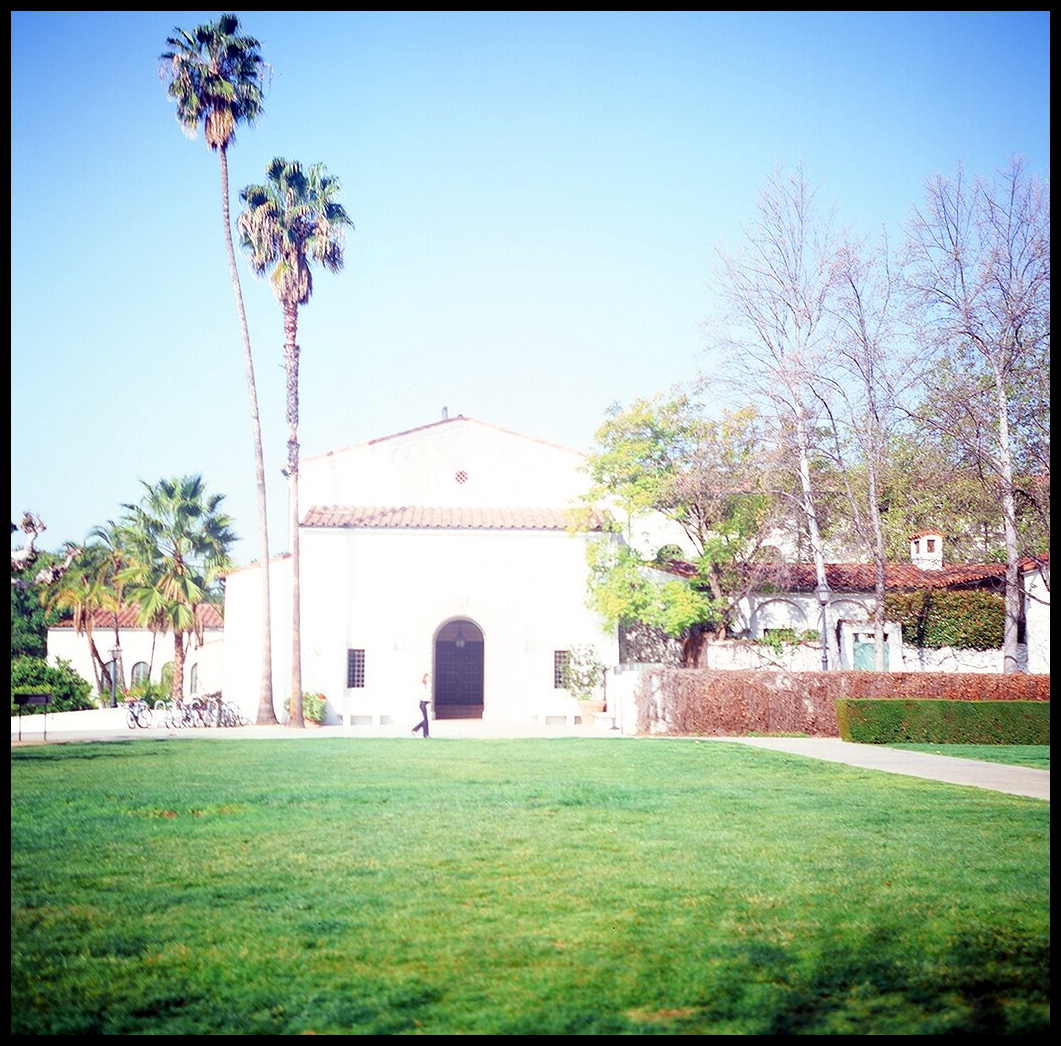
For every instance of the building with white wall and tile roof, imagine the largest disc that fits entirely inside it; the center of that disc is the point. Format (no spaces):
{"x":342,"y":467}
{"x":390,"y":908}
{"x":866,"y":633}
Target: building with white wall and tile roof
{"x":448,"y":550}
{"x":144,"y":655}
{"x":444,"y":550}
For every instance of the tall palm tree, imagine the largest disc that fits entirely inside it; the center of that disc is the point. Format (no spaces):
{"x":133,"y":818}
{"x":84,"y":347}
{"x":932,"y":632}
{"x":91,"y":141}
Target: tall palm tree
{"x":290,"y":221}
{"x":179,"y":541}
{"x":216,"y":77}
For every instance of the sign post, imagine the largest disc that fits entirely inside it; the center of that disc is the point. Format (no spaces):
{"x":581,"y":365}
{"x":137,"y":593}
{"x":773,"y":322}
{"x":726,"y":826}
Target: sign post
{"x":33,"y":699}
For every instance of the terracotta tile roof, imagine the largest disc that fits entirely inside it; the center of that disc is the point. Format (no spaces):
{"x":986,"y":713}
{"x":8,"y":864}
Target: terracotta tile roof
{"x":417,"y":517}
{"x":1041,"y":559}
{"x":103,"y":619}
{"x":861,"y":577}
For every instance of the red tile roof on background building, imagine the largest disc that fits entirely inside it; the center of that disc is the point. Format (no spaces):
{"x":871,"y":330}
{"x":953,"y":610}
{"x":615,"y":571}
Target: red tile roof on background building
{"x":417,"y":517}
{"x":861,"y":577}
{"x":209,"y":616}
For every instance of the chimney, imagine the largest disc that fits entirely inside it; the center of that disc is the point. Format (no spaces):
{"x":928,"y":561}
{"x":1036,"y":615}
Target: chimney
{"x":445,"y":413}
{"x":926,"y":550}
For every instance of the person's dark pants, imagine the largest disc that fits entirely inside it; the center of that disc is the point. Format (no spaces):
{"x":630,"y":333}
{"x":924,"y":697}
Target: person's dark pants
{"x":422,"y":725}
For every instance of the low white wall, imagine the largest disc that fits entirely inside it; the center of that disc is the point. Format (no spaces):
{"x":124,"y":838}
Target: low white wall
{"x":729,"y":654}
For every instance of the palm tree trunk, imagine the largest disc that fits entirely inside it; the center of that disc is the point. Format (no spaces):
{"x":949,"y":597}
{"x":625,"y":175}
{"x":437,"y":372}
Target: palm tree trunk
{"x":266,"y":711}
{"x":176,"y":690}
{"x":97,"y":665}
{"x":291,"y":361}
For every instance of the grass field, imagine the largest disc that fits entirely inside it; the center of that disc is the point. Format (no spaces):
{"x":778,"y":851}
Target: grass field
{"x":1035,"y":756}
{"x":565,"y":886}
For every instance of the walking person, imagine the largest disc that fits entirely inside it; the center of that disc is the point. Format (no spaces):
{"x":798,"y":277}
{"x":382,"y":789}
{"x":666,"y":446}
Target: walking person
{"x":425,"y":701}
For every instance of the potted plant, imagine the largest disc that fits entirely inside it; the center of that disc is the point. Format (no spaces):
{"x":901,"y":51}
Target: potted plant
{"x":314,"y":708}
{"x":584,"y":680}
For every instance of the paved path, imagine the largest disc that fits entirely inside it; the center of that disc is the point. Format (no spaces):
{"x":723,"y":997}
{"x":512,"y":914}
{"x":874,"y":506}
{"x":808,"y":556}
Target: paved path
{"x":999,"y":777}
{"x":109,"y":725}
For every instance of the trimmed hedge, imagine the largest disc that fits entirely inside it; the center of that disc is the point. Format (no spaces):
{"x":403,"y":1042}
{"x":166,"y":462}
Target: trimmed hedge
{"x":870,"y":721}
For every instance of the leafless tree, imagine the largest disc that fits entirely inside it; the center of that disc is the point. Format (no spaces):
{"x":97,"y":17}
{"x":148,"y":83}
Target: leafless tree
{"x":862,"y":394}
{"x":779,"y":329}
{"x":979,"y":270}
{"x":32,"y":526}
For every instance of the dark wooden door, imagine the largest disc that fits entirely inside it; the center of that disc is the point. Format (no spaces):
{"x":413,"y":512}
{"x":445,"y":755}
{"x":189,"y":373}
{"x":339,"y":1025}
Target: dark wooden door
{"x":458,"y":680}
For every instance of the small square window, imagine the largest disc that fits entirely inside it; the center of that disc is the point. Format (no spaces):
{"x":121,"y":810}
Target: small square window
{"x":561,"y":662}
{"x":931,"y":543}
{"x":355,"y":668}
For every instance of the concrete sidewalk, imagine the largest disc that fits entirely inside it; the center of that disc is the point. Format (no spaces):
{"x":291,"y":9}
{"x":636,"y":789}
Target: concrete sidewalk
{"x":998,"y":777}
{"x":108,"y":724}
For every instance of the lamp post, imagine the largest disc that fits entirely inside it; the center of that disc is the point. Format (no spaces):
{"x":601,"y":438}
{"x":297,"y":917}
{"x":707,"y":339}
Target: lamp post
{"x":116,"y":651}
{"x":822,"y":592}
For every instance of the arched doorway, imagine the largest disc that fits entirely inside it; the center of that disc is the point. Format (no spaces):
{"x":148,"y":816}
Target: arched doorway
{"x":459,"y":670}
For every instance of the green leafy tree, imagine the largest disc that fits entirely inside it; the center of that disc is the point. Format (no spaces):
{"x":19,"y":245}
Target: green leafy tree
{"x":664,"y":459}
{"x":70,"y":692}
{"x":29,"y":618}
{"x":216,"y":77}
{"x":292,"y":220}
{"x":178,"y":544}
{"x":80,"y":592}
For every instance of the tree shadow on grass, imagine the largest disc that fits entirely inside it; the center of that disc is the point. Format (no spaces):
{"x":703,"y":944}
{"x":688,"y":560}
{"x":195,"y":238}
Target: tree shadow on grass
{"x":64,"y":751}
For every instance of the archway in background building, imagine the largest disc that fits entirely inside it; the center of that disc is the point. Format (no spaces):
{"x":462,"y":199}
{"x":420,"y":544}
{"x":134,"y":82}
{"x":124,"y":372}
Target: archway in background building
{"x":458,"y":675}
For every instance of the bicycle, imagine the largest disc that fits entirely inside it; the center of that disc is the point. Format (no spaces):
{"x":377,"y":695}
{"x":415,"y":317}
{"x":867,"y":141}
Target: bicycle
{"x":138,"y":714}
{"x":231,"y":715}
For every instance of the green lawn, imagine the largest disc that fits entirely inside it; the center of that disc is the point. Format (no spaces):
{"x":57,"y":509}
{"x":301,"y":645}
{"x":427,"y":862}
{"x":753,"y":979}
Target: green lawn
{"x":383,"y":886}
{"x":1035,"y":756}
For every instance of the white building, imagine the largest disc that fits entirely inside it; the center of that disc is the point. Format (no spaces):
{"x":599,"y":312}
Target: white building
{"x":1035,"y":575}
{"x":444,"y":550}
{"x":447,"y":551}
{"x":142,"y":654}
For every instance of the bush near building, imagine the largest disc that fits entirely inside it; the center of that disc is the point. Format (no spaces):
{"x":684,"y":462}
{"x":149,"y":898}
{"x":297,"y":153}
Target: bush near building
{"x":70,"y":691}
{"x":966,"y":619}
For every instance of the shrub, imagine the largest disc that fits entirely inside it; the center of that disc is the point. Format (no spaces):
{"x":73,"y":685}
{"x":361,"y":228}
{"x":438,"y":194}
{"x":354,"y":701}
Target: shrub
{"x":314,"y":706}
{"x":149,"y":692}
{"x":970,"y":619}
{"x":777,"y":638}
{"x":869,"y":721}
{"x":70,"y":692}
{"x":583,"y":673}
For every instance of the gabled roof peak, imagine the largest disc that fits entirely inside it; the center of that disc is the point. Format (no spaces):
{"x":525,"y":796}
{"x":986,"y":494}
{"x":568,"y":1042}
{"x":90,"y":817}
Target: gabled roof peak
{"x":459,"y":419}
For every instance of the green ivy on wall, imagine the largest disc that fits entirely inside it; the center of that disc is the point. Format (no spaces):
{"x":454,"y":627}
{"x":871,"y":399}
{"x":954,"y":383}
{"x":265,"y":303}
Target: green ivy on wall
{"x":966,"y":619}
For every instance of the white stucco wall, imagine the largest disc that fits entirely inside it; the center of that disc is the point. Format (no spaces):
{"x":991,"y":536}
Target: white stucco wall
{"x":1037,"y":618}
{"x":420,"y":467}
{"x":242,"y":669}
{"x":65,"y":644}
{"x":388,"y":592}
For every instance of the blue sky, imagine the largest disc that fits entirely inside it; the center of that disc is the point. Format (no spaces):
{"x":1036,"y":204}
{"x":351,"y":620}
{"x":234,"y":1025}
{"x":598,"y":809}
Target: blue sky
{"x":538,"y":201}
